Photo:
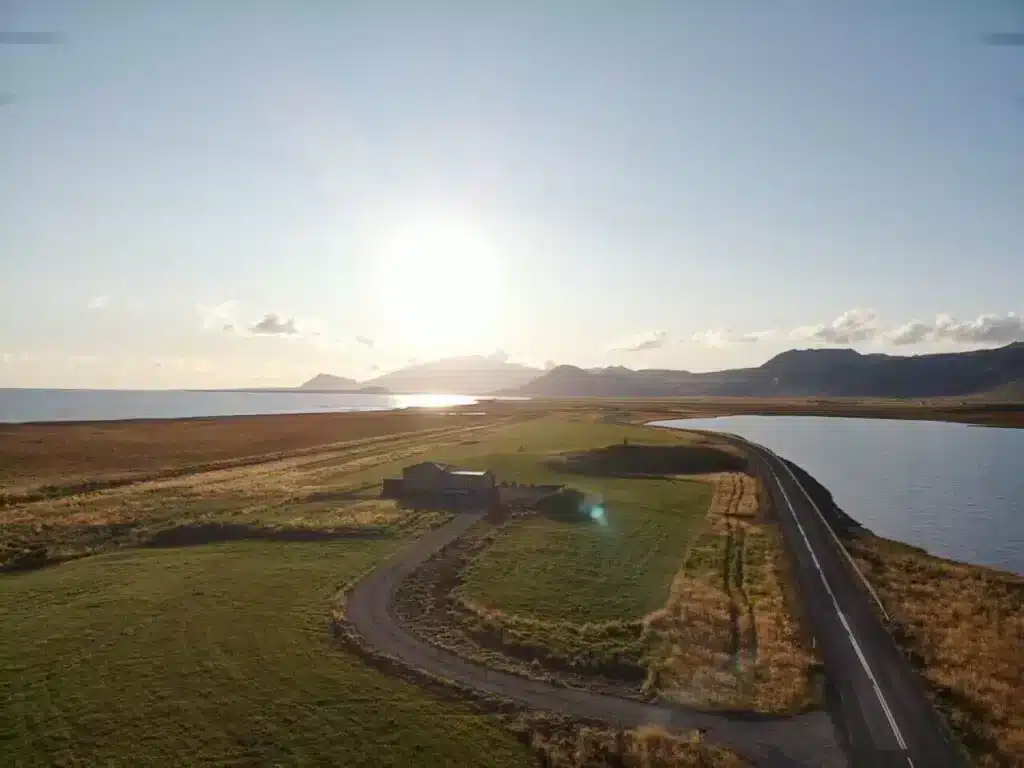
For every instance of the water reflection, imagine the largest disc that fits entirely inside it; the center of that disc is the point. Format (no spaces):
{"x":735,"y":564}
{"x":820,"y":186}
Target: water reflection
{"x":954,"y":489}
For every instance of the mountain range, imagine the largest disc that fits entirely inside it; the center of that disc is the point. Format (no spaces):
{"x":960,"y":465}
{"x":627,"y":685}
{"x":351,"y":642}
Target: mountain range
{"x":997,"y":373}
{"x":807,"y":373}
{"x":471,"y":375}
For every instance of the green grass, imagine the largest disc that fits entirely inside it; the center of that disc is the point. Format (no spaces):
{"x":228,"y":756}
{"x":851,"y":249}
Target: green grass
{"x":214,"y":655}
{"x":585,"y":571}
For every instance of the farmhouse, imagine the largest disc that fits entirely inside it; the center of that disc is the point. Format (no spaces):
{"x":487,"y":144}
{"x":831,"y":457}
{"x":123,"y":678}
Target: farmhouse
{"x":433,"y":477}
{"x":431,"y":483}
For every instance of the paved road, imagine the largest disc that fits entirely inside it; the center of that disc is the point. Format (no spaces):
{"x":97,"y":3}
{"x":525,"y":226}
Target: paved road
{"x":879,"y":701}
{"x":803,"y":740}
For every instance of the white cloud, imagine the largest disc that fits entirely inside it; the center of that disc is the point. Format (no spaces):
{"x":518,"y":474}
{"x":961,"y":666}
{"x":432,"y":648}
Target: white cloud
{"x":273,"y":324}
{"x":98,"y":302}
{"x":913,"y":332}
{"x":984,"y":329}
{"x":365,"y":341}
{"x":722,"y":338}
{"x":851,"y":327}
{"x":641,"y":342}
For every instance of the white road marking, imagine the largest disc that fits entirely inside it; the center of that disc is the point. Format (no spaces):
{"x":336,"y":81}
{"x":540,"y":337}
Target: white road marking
{"x":839,"y":544}
{"x":842,"y":618}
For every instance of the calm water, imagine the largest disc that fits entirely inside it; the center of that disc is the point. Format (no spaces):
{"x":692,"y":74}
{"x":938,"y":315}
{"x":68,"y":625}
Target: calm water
{"x":953,"y":489}
{"x":20,"y":405}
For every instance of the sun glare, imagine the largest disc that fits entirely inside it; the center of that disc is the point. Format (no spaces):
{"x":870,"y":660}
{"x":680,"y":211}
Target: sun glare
{"x":439,"y":284}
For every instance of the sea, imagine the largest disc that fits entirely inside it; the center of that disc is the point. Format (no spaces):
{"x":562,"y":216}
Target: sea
{"x":32,"y":405}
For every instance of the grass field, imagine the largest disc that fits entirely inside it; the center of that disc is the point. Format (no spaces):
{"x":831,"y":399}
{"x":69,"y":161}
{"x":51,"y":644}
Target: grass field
{"x":727,"y":637}
{"x":220,"y":654}
{"x":330,"y":491}
{"x":217,"y":655}
{"x":678,"y":590}
{"x":54,"y":459}
{"x":962,"y":626}
{"x":616,"y":568}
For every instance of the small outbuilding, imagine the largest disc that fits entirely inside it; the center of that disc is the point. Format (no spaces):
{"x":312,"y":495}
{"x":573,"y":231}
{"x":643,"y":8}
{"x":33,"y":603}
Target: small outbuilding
{"x":434,"y":477}
{"x":431,"y":483}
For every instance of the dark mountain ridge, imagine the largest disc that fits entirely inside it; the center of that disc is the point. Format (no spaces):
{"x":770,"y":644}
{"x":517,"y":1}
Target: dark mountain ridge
{"x":804,"y":373}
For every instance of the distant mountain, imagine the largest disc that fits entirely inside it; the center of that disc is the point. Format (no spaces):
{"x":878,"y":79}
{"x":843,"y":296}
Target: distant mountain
{"x":804,"y":373}
{"x":473,"y":375}
{"x":327,"y":381}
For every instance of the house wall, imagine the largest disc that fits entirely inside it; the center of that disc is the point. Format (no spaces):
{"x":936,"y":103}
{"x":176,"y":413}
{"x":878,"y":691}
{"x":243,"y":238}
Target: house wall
{"x":424,"y":477}
{"x":470,"y":482}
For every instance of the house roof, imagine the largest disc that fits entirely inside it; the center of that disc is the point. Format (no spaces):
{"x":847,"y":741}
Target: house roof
{"x":435,"y":464}
{"x":449,"y":469}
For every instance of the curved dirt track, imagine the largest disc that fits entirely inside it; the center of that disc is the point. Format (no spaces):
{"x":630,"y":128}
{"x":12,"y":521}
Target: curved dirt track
{"x":801,"y":740}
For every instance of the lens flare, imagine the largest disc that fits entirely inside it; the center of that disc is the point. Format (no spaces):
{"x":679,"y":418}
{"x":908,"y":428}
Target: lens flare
{"x":597,"y":514}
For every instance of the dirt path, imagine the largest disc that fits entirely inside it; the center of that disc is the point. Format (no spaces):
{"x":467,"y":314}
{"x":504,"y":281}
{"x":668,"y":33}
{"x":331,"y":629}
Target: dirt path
{"x":801,"y":740}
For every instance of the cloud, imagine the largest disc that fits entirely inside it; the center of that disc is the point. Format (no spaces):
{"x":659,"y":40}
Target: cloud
{"x":98,"y":302}
{"x":984,"y":329}
{"x":366,"y":342}
{"x":722,"y":338}
{"x":273,"y":324}
{"x":549,"y":364}
{"x":641,"y":342}
{"x":913,"y":332}
{"x":851,"y":327}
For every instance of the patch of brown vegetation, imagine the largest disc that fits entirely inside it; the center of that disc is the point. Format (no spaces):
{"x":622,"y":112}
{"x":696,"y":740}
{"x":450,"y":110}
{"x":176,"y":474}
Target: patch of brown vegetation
{"x":726,"y":637}
{"x":91,"y":455}
{"x":627,"y":460}
{"x":329,"y":488}
{"x":962,"y":627}
{"x":563,"y":743}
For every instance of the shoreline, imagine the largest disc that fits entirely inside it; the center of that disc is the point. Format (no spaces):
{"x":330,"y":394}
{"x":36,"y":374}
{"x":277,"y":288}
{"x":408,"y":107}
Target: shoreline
{"x":957,"y":624}
{"x":1007,"y":415}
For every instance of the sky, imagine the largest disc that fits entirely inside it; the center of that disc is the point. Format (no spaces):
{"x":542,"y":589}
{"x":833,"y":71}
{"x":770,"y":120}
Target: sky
{"x":246,"y":193}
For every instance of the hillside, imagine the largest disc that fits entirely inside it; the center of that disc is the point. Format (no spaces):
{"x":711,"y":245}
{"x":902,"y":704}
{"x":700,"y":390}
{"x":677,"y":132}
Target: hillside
{"x":806,"y":373}
{"x":473,"y":375}
{"x":328,"y":381}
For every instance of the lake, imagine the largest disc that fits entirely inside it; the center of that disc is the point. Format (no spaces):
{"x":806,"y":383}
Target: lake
{"x":953,"y":489}
{"x":21,"y":405}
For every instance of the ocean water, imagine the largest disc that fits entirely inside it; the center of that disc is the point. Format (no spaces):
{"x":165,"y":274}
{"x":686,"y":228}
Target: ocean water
{"x":25,"y":405}
{"x":955,"y":490}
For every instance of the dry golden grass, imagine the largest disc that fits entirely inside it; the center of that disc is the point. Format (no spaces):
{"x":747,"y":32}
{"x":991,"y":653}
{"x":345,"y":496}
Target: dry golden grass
{"x":726,"y":637}
{"x":561,"y":744}
{"x":334,"y":488}
{"x":962,"y":626}
{"x":63,"y":455}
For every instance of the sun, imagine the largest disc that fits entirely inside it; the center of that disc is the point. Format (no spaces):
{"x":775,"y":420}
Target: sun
{"x":439,"y":285}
